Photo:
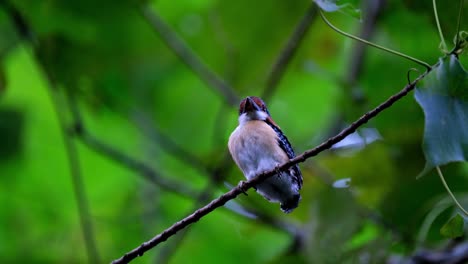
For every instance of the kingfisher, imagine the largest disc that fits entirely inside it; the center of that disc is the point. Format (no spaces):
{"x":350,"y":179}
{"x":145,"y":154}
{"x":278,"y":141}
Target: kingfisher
{"x":258,"y":145}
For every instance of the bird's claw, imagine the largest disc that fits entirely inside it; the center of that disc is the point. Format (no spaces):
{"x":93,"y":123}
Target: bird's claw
{"x":242,"y":188}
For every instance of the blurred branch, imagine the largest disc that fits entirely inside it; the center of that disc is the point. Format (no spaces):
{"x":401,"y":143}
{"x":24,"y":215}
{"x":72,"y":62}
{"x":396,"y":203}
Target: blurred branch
{"x":230,"y":69}
{"x":77,"y":179}
{"x":220,"y":126}
{"x":455,"y":252}
{"x":169,"y":145}
{"x":279,"y":68}
{"x":143,"y":169}
{"x":243,"y":186}
{"x":23,"y":29}
{"x":26,"y":33}
{"x":187,"y":56}
{"x":372,"y":10}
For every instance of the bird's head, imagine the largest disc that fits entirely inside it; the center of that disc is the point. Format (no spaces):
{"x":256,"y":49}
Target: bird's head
{"x":253,"y":108}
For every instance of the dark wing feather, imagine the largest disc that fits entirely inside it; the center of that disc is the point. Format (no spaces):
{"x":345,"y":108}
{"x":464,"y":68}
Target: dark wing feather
{"x":286,"y":146}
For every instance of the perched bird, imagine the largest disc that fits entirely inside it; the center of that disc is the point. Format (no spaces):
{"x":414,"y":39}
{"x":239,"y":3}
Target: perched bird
{"x":258,"y":145}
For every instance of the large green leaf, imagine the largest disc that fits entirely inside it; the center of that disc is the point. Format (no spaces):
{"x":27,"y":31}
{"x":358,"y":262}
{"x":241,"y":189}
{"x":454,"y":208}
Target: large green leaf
{"x":443,"y":96}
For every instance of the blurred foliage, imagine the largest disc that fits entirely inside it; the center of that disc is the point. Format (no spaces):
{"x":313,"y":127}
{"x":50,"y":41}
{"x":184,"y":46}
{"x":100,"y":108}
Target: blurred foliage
{"x":136,"y":95}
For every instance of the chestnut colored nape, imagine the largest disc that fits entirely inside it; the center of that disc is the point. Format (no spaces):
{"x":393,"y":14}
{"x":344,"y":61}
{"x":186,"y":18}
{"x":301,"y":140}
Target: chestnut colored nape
{"x":258,"y":101}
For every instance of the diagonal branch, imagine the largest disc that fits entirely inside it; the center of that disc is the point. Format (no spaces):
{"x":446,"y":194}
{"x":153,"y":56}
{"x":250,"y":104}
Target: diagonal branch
{"x":187,"y":56}
{"x":243,"y":186}
{"x":169,"y":145}
{"x":279,"y":68}
{"x":143,"y":169}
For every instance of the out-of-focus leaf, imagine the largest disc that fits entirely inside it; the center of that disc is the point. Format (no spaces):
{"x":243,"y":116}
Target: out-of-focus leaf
{"x":368,"y":232}
{"x":357,"y":141}
{"x":443,"y":96}
{"x":342,"y":183}
{"x":239,"y":209}
{"x":453,"y":228}
{"x":346,"y":6}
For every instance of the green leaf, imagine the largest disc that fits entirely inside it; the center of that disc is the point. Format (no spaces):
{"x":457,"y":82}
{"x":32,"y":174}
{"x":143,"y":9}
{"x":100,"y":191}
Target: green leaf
{"x":345,"y":6}
{"x":367,"y":234}
{"x":453,"y":228}
{"x":443,"y":96}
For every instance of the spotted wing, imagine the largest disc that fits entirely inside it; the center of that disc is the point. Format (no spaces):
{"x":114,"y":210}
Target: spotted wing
{"x":286,"y":146}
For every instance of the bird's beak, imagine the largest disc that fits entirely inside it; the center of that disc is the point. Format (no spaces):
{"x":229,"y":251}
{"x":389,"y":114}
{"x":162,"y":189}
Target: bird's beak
{"x":250,"y":106}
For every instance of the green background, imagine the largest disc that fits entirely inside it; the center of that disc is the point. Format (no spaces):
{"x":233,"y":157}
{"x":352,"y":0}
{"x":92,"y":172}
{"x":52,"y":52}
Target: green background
{"x":137,"y":96}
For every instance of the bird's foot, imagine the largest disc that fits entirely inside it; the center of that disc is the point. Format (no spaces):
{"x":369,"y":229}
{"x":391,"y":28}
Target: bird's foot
{"x":242,"y":188}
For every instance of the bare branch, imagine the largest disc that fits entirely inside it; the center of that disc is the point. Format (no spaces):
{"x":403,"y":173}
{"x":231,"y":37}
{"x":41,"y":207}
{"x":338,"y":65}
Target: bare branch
{"x":187,"y":56}
{"x":243,"y":186}
{"x":261,"y":217}
{"x":279,"y":68}
{"x":372,"y":10}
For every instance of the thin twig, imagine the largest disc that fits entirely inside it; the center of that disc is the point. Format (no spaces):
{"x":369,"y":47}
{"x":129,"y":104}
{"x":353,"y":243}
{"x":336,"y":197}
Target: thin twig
{"x":187,"y":56}
{"x":372,"y":11}
{"x":457,"y":36}
{"x":243,"y":186}
{"x":25,"y":31}
{"x":279,"y":68}
{"x":420,"y":62}
{"x":436,"y":16}
{"x":450,"y":192}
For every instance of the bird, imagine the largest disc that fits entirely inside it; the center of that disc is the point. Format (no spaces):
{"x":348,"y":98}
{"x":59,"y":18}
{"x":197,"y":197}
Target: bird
{"x":257,"y":145}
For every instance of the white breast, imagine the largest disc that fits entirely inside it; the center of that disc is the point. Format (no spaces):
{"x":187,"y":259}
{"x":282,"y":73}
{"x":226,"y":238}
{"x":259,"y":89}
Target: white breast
{"x":255,"y":149}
